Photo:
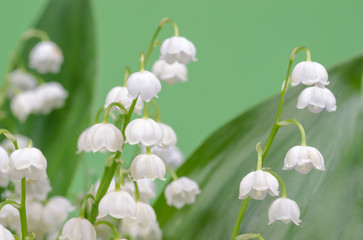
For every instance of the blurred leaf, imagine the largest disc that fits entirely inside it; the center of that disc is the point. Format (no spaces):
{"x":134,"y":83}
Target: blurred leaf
{"x":70,"y":24}
{"x":331,"y":202}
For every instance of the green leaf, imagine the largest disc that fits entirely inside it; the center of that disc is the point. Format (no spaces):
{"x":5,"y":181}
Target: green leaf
{"x":70,"y":24}
{"x":331,"y":202}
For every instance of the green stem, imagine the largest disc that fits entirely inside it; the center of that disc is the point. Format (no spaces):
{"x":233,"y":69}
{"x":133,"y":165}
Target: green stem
{"x":118,"y":176}
{"x":137,"y":191}
{"x":282,"y":184}
{"x":11,"y":202}
{"x":98,"y":114}
{"x":116,"y":235}
{"x":239,"y":218}
{"x":172,"y":172}
{"x":142,"y":62}
{"x":22,"y":210}
{"x":153,"y":40}
{"x":127,"y":75}
{"x":108,"y":109}
{"x":298,"y":124}
{"x":157,"y":110}
{"x":10,"y":136}
{"x":84,"y":204}
{"x":259,"y":156}
{"x":146,"y":110}
{"x":296,"y":50}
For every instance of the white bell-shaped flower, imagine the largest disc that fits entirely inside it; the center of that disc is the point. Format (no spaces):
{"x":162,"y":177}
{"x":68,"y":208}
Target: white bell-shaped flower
{"x":147,"y":166}
{"x":117,"y":204}
{"x":4,"y":168}
{"x":29,"y":163}
{"x":5,"y":234}
{"x":52,"y":95}
{"x":35,"y":189}
{"x":143,"y":84}
{"x":284,"y":209}
{"x":144,"y":226}
{"x":34,"y":210}
{"x":178,"y":49}
{"x":147,"y":189}
{"x":78,"y":229}
{"x":257,"y":183}
{"x":46,"y":57}
{"x":169,"y":136}
{"x":9,"y":217}
{"x":104,"y":137}
{"x":9,"y":146}
{"x":121,"y":96}
{"x":24,"y":104}
{"x":316,"y":99}
{"x":303,"y":159}
{"x":309,"y":73}
{"x":55,"y":212}
{"x":181,"y":191}
{"x":144,"y":131}
{"x":20,"y":81}
{"x":171,"y":155}
{"x":170,"y":73}
{"x":82,"y":144}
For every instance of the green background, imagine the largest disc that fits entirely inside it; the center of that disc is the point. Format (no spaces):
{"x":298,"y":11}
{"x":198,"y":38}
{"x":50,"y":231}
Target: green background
{"x":242,"y":50}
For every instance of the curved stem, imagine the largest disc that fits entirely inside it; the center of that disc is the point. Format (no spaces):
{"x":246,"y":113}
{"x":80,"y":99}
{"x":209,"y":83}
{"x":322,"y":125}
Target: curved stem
{"x":153,"y":40}
{"x":116,"y":235}
{"x":239,"y":218}
{"x":10,"y":136}
{"x":296,"y":50}
{"x":84,"y":204}
{"x":137,"y":192}
{"x":108,"y":109}
{"x":98,"y":114}
{"x":11,"y":202}
{"x":172,"y":172}
{"x":298,"y":124}
{"x":282,"y":184}
{"x":259,"y":156}
{"x":157,"y":110}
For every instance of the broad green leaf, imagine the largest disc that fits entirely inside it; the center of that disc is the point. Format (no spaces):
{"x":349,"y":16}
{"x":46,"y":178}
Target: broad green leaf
{"x":70,"y":24}
{"x":331,"y":202}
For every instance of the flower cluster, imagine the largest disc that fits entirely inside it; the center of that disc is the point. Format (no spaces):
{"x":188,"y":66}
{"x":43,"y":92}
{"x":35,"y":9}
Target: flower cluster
{"x":28,"y":92}
{"x":302,"y":158}
{"x":122,"y":197}
{"x":25,"y":169}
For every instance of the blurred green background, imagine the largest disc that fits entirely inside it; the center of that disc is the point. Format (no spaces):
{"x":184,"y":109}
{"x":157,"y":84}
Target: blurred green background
{"x":242,"y":50}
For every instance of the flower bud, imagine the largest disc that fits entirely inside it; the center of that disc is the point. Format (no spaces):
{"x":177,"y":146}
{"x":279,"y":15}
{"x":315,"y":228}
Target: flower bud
{"x":170,"y":73}
{"x":178,"y":49}
{"x":121,"y":96}
{"x":145,"y":131}
{"x":284,"y":209}
{"x":78,"y":229}
{"x":29,"y":163}
{"x":147,"y":166}
{"x":143,"y":84}
{"x":257,"y":183}
{"x":181,"y":191}
{"x":46,"y":57}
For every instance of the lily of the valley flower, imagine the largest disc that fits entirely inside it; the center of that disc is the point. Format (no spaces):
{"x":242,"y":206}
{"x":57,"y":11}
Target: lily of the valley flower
{"x":103,"y":137}
{"x":5,"y":234}
{"x":4,"y":168}
{"x":169,"y":136}
{"x":171,"y":155}
{"x":117,"y":204}
{"x":46,"y":57}
{"x":29,"y":163}
{"x":170,"y":73}
{"x":145,"y":84}
{"x":121,"y":96}
{"x":147,"y":166}
{"x":284,"y":209}
{"x":181,"y":191}
{"x":303,"y":159}
{"x":78,"y":229}
{"x":257,"y":184}
{"x":20,"y":81}
{"x":309,"y":73}
{"x":178,"y":49}
{"x":147,"y":189}
{"x":316,"y":99}
{"x":144,"y":131}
